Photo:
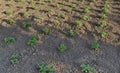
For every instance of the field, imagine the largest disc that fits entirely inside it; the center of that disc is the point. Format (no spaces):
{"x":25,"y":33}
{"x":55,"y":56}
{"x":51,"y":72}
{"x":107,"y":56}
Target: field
{"x":59,"y":36}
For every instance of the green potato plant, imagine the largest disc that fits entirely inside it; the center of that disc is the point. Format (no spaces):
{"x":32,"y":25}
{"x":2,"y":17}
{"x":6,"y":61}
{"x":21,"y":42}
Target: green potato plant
{"x":14,"y":58}
{"x":61,"y":48}
{"x":9,"y":40}
{"x":95,"y":45}
{"x":42,"y":68}
{"x":32,"y":41}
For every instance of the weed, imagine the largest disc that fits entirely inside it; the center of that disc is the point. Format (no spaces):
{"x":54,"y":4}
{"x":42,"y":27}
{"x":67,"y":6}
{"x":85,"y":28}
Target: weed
{"x":44,"y":68}
{"x":61,"y":48}
{"x":14,"y":58}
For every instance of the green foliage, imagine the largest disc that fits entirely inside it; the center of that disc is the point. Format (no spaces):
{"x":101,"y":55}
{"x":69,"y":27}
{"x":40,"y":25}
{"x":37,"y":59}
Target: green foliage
{"x":61,"y":48}
{"x":95,"y":45}
{"x":61,"y":16}
{"x":84,"y":17}
{"x":103,"y":16}
{"x":34,"y":7}
{"x":8,"y":12}
{"x":86,"y":9}
{"x":14,"y":58}
{"x":56,"y":22}
{"x":32,"y":41}
{"x":45,"y":30}
{"x":38,"y":17}
{"x":102,"y":34}
{"x":102,"y":23}
{"x":78,"y":23}
{"x":87,"y":69}
{"x":44,"y":68}
{"x":25,"y":14}
{"x":10,"y":21}
{"x":18,"y":0}
{"x":9,"y":40}
{"x":26,"y":24}
{"x":70,"y":33}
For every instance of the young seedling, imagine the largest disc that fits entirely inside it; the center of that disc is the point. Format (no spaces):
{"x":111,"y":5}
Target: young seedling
{"x":18,"y":0}
{"x":61,"y":16}
{"x":14,"y":58}
{"x":102,"y":34}
{"x":86,"y":9}
{"x":87,"y":68}
{"x":95,"y":45}
{"x":56,"y":22}
{"x":55,"y":5}
{"x":9,"y":40}
{"x":70,"y":33}
{"x":26,"y":24}
{"x":78,"y":23}
{"x":10,"y":21}
{"x":32,"y":41}
{"x":8,"y":12}
{"x":45,"y":31}
{"x":102,"y":23}
{"x":84,"y":17}
{"x":38,"y":17}
{"x":103,"y":16}
{"x":25,"y":14}
{"x":34,"y":8}
{"x":61,"y":48}
{"x":44,"y":68}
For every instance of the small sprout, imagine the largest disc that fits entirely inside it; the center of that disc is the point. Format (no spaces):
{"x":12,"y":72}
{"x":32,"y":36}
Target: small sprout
{"x":73,"y":5}
{"x":56,"y":22}
{"x":61,"y":48}
{"x":84,"y":17}
{"x":30,"y":1}
{"x":26,"y":24}
{"x":105,"y":10}
{"x":25,"y":14}
{"x":49,"y":10}
{"x":61,"y":16}
{"x":102,"y":23}
{"x":9,"y":40}
{"x":56,"y":5}
{"x":34,"y":8}
{"x":45,"y":31}
{"x":38,"y":17}
{"x":44,"y":68}
{"x":14,"y":58}
{"x":103,"y":16}
{"x":102,"y":34}
{"x":69,"y":9}
{"x":8,"y":12}
{"x":18,"y":0}
{"x":70,"y":33}
{"x":95,"y":45}
{"x":10,"y":21}
{"x":32,"y":41}
{"x":86,"y":10}
{"x":78,"y":23}
{"x":87,"y":69}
